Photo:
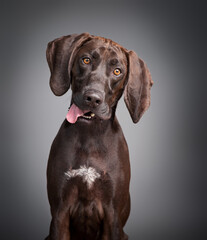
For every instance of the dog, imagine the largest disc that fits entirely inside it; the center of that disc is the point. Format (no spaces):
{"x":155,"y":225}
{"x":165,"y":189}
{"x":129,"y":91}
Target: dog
{"x":88,"y":172}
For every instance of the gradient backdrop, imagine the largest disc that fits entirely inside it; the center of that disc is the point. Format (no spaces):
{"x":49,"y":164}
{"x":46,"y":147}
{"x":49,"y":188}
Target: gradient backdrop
{"x":166,"y":146}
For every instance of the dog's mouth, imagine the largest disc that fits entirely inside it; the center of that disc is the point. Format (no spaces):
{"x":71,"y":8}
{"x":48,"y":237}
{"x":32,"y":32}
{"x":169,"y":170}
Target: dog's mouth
{"x":75,"y":113}
{"x":88,"y":115}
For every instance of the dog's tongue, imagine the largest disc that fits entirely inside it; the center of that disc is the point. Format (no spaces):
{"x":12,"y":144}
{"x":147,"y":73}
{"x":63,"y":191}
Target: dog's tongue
{"x":73,"y":113}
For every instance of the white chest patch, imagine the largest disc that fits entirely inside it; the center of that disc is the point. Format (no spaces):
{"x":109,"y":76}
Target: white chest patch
{"x":89,"y":174}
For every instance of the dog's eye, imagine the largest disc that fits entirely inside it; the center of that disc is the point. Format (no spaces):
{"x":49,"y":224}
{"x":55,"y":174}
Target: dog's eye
{"x":86,"y":60}
{"x":117,"y":71}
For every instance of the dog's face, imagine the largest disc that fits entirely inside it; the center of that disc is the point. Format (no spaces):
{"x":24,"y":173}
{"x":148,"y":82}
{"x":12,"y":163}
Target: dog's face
{"x":98,"y":77}
{"x":99,"y":71}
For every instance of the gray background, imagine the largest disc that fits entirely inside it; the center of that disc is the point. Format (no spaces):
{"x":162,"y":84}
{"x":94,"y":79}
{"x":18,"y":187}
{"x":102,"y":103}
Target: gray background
{"x":166,"y":146}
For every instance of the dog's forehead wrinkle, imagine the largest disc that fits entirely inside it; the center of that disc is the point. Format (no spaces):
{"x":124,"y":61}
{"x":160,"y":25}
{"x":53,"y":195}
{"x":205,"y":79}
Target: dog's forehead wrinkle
{"x":103,"y":47}
{"x":112,"y":53}
{"x":95,"y":54}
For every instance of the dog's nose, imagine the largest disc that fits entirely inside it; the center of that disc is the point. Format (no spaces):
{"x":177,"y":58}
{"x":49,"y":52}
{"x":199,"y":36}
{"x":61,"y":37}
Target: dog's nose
{"x":93,"y":98}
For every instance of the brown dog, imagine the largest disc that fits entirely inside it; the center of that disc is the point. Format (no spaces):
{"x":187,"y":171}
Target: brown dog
{"x":88,"y":170}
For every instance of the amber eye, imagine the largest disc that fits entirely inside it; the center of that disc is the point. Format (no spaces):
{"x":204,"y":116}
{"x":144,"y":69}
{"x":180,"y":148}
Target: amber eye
{"x":117,"y":71}
{"x":86,"y":60}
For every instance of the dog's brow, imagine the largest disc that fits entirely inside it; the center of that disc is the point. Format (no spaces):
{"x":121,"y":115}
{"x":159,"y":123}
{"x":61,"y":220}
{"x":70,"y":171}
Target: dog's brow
{"x":113,"y":61}
{"x":95,"y":54}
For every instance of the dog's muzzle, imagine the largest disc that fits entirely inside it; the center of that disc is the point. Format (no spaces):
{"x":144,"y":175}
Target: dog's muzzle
{"x":92,"y":98}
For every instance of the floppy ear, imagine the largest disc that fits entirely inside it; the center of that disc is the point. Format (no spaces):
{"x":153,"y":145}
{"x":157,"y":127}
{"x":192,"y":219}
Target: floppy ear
{"x":137,"y":89}
{"x":60,"y":54}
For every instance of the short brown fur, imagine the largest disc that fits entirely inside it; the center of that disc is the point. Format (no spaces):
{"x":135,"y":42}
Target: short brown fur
{"x":99,"y":212}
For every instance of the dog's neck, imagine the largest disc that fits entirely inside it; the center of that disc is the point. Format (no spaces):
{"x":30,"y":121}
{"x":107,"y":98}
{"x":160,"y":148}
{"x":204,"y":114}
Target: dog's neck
{"x":95,"y":128}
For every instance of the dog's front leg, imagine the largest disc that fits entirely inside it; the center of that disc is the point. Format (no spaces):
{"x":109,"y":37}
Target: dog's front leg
{"x":59,"y":228}
{"x":112,"y":228}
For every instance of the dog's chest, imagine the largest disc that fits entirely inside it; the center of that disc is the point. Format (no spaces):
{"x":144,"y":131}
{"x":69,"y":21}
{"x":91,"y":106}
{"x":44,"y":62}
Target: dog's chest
{"x":87,"y":188}
{"x":89,"y":165}
{"x":88,"y":175}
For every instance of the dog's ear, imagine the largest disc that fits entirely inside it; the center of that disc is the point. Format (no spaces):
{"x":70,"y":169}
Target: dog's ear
{"x":137,"y":89}
{"x":59,"y":55}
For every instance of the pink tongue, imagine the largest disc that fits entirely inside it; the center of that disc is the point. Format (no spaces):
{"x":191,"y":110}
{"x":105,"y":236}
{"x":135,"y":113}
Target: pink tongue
{"x":73,"y":113}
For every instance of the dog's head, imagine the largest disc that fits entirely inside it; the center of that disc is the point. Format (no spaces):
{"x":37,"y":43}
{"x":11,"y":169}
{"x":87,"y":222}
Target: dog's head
{"x":99,"y":71}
